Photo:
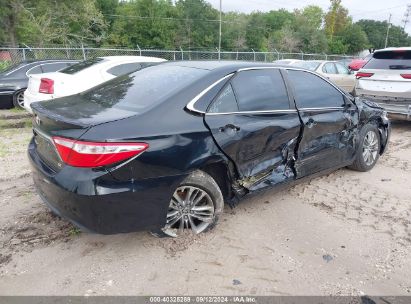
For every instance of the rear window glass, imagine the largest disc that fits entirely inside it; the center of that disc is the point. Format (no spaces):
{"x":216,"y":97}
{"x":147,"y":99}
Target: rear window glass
{"x":390,"y":60}
{"x":81,"y":66}
{"x":143,"y":89}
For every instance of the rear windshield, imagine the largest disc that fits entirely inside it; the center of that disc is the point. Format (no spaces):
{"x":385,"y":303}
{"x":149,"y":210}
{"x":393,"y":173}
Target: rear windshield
{"x":81,"y":66}
{"x":309,"y":65}
{"x":143,"y":89}
{"x":390,"y":60}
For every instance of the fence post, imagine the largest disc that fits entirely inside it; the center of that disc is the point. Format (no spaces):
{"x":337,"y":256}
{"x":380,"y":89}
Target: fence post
{"x":24,"y":54}
{"x":253,"y":53}
{"x":84,"y":52}
{"x":302,"y":56}
{"x":174,"y":55}
{"x":182,"y":53}
{"x":139,"y":49}
{"x":326,"y":56}
{"x":265,"y":57}
{"x":278,"y":54}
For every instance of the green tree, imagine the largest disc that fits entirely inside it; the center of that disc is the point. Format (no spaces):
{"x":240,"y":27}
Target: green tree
{"x":307,"y":27}
{"x":58,"y":22}
{"x":199,"y":28}
{"x":149,"y":23}
{"x":354,"y":38}
{"x":336,"y":19}
{"x":376,"y":32}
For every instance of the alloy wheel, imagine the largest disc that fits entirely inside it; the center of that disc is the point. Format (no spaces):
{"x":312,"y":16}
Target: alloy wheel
{"x":370,"y":148}
{"x":190,"y":208}
{"x":20,"y":99}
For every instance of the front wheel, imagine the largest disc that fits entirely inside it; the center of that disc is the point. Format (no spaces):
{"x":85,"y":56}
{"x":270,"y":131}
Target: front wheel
{"x":194,"y":206}
{"x":368,"y":149}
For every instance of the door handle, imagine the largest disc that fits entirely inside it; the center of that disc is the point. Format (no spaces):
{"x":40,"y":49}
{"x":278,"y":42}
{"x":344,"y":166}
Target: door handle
{"x":229,"y":126}
{"x":310,"y":123}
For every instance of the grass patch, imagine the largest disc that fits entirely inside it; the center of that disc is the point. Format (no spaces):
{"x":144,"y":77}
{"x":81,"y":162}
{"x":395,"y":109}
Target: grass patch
{"x":17,"y":110}
{"x":74,"y":231}
{"x":15,"y":123}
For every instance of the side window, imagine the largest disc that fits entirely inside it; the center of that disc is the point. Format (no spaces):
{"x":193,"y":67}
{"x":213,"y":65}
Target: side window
{"x":125,"y":68}
{"x":225,"y":102}
{"x":313,"y":92}
{"x":52,"y":67}
{"x":329,"y":68}
{"x":35,"y":70}
{"x":260,"y":90}
{"x":342,"y":69}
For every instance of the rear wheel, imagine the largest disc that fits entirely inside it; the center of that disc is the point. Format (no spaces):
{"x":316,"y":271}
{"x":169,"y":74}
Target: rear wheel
{"x":194,"y":206}
{"x":18,"y":99}
{"x":368,"y":150}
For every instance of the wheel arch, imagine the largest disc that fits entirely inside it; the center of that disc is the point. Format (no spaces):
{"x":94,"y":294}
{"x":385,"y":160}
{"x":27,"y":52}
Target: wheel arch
{"x":383,"y":130}
{"x":222,"y":172}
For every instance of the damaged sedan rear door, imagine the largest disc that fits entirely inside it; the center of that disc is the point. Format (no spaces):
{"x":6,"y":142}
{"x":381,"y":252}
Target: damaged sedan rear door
{"x":255,"y":123}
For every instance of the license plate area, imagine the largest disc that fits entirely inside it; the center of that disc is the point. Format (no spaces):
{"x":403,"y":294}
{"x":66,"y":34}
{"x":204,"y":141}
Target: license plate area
{"x":47,"y":151}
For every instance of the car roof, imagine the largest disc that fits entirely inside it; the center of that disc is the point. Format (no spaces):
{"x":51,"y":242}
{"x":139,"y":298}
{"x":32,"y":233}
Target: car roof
{"x":133,"y":58}
{"x":405,"y":48}
{"x":223,"y":64}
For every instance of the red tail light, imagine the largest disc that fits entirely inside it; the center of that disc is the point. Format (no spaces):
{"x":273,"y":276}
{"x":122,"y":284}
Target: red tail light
{"x":46,"y":86}
{"x":86,"y":154}
{"x":406,"y":76}
{"x":363,"y":75}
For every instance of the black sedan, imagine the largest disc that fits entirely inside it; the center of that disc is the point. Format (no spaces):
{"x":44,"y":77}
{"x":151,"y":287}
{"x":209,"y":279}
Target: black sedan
{"x":14,"y":81}
{"x":163,"y":148}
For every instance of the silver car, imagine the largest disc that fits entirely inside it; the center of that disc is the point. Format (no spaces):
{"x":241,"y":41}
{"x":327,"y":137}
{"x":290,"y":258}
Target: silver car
{"x":332,"y":70}
{"x":386,"y":80}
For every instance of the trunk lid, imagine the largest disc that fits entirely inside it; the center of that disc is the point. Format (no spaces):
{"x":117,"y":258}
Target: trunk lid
{"x":62,"y":83}
{"x":389,"y":81}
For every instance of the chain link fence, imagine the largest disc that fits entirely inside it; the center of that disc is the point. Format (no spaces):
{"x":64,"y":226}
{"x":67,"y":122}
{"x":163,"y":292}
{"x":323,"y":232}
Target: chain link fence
{"x":17,"y":55}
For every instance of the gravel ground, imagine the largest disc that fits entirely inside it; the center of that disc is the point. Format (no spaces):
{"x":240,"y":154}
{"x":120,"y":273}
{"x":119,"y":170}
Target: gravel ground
{"x":346,"y":233}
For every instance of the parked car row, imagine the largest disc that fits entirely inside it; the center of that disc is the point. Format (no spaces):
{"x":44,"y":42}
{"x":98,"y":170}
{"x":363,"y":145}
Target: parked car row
{"x":163,"y":148}
{"x":383,"y":76}
{"x":14,"y":80}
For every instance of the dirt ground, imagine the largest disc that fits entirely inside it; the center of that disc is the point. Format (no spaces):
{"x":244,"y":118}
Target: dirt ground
{"x":347,"y":233}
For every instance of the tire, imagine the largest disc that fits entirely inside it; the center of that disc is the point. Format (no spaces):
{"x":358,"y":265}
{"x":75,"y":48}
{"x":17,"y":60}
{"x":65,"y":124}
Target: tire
{"x":369,"y":141}
{"x":206,"y":204}
{"x":18,"y":99}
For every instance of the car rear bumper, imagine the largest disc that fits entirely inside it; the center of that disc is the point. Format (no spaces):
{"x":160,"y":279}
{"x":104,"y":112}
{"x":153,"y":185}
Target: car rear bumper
{"x":396,"y":107}
{"x":105,"y":205}
{"x":29,"y":98}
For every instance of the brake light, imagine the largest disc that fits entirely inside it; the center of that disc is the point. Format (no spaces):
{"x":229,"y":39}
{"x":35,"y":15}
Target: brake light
{"x":46,"y":86}
{"x":86,"y":154}
{"x":406,"y":76}
{"x":363,"y":75}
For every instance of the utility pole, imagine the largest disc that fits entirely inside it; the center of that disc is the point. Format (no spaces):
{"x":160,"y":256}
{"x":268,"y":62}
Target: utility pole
{"x":388,"y":31}
{"x":406,"y":16}
{"x":219,"y":34}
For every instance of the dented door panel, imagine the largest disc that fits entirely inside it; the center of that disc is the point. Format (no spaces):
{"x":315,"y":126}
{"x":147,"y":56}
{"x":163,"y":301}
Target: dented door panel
{"x":263,"y":146}
{"x":326,"y":142}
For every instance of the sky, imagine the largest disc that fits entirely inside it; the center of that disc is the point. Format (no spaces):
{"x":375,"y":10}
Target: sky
{"x":358,"y":9}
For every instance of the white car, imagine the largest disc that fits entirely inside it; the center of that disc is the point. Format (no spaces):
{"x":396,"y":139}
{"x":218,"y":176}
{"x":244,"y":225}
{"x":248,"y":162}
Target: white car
{"x":386,"y":80}
{"x":332,"y":70}
{"x":81,"y":77}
